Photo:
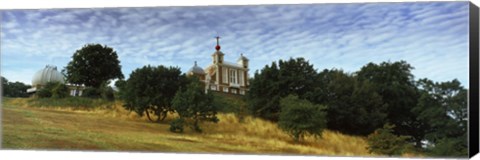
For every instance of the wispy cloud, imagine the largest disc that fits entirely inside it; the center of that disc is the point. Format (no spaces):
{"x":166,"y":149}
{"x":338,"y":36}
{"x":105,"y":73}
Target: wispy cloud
{"x":432,"y":36}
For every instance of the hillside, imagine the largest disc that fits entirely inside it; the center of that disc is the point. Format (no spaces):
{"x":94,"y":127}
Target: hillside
{"x":109,"y":127}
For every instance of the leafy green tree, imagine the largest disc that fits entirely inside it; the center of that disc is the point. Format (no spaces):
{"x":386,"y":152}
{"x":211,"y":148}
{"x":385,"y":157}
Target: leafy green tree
{"x":442,"y":108}
{"x":384,"y":141}
{"x":14,"y":89}
{"x":151,"y":90}
{"x":300,"y":117}
{"x":194,"y":104}
{"x":395,"y":83}
{"x":293,"y":76}
{"x":354,"y":107}
{"x":5,"y":87}
{"x":264,"y":93}
{"x":93,"y":65}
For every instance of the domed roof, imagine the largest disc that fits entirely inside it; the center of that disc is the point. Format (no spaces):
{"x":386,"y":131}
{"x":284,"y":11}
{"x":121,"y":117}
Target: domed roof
{"x":196,"y":70}
{"x":48,"y":74}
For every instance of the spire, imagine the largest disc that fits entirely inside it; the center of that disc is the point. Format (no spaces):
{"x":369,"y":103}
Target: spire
{"x":218,"y":44}
{"x":195,"y":63}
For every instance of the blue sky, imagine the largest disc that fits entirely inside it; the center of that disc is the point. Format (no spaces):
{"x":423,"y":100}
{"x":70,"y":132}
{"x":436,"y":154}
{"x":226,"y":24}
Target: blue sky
{"x":432,"y":37}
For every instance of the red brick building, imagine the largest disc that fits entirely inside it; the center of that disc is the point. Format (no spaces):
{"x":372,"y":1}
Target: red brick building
{"x":223,"y":76}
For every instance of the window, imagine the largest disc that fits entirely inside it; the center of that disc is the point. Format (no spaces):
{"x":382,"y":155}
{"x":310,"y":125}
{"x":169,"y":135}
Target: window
{"x":225,"y":90}
{"x":233,"y":76}
{"x":234,"y":91}
{"x":213,"y":87}
{"x":240,"y":78}
{"x":224,"y":75}
{"x":242,"y":92}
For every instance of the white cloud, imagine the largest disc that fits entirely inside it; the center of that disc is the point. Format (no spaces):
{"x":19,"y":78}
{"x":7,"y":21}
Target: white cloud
{"x":430,"y":37}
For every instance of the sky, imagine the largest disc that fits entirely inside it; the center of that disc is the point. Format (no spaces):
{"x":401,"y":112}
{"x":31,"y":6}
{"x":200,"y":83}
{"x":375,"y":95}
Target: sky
{"x":431,"y":36}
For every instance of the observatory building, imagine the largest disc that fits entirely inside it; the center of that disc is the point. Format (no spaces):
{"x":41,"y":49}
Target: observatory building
{"x":51,"y":74}
{"x":223,"y":76}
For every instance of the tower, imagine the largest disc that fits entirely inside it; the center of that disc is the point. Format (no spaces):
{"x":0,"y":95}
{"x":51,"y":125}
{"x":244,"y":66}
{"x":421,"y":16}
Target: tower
{"x":243,"y":61}
{"x":218,"y":55}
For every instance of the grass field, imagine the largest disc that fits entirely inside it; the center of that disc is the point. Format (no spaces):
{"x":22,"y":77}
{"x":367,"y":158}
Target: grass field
{"x":108,"y":127}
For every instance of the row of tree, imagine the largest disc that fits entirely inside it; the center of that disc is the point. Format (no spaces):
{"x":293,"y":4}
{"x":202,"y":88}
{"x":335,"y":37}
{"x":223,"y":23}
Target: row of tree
{"x":14,"y":89}
{"x":432,"y":114}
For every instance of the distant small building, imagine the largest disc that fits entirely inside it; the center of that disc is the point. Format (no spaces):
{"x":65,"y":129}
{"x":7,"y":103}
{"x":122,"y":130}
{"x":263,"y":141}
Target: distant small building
{"x":50,"y":74}
{"x":223,"y":76}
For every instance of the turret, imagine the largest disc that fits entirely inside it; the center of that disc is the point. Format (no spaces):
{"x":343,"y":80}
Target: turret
{"x":243,"y":61}
{"x":218,"y":55}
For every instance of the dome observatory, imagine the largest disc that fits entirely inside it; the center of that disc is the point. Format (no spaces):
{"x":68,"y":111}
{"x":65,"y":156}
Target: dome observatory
{"x":45,"y":75}
{"x":196,"y":70}
{"x":48,"y":74}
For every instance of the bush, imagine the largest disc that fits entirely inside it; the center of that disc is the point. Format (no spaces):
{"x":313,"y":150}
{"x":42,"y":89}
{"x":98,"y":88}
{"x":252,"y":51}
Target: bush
{"x":177,"y":125}
{"x":300,"y":117}
{"x":91,"y":92}
{"x":108,"y":93}
{"x":450,"y":147}
{"x":53,"y":89}
{"x":383,"y":141}
{"x":43,"y":93}
{"x":60,"y":91}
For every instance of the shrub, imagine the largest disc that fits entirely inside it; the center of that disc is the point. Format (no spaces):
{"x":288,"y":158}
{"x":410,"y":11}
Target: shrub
{"x":60,"y":91}
{"x":91,"y":92}
{"x":108,"y":93}
{"x":300,"y":117}
{"x":383,"y":141}
{"x":53,"y":89}
{"x":43,"y":93}
{"x":177,"y":125}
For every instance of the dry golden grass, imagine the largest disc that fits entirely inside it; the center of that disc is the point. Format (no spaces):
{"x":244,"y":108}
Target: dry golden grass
{"x":111,"y":127}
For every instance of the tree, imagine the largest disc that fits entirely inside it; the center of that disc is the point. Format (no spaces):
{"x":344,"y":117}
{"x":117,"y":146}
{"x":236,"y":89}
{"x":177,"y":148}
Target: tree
{"x":14,"y":89}
{"x":354,"y":107}
{"x":194,"y":104}
{"x":93,"y":65}
{"x":5,"y":88}
{"x":300,"y":117}
{"x":151,"y":90}
{"x":384,"y":141}
{"x":293,"y":76}
{"x":395,"y":83}
{"x":442,"y":109}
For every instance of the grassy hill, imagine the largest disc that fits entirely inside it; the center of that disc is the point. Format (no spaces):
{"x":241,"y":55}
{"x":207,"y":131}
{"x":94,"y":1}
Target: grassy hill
{"x":108,"y":127}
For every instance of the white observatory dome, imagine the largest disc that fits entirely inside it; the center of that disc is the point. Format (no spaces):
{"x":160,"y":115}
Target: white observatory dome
{"x":48,"y":74}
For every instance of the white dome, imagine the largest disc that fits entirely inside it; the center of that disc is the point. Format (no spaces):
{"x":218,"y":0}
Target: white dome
{"x":196,"y":70}
{"x":48,"y":74}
